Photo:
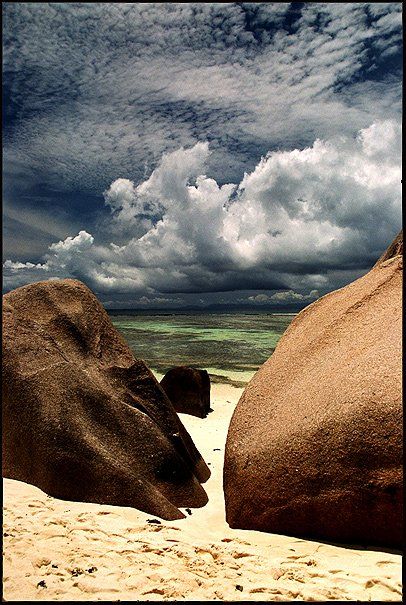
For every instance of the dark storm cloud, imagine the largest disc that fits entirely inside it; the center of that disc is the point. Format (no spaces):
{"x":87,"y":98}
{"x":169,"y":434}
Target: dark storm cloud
{"x":299,"y":222}
{"x":96,"y":94}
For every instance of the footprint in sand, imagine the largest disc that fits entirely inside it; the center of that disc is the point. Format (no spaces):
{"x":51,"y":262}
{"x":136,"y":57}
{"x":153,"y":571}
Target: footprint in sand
{"x":383,"y":563}
{"x":260,"y":589}
{"x":309,"y":562}
{"x":376,"y":582}
{"x":206,"y":554}
{"x":159,"y":591}
{"x":277,"y":592}
{"x":153,"y":549}
{"x":241,"y":541}
{"x":42,"y":562}
{"x":240,"y":555}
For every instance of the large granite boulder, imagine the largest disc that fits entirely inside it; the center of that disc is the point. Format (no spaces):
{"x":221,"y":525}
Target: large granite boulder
{"x":314,"y":448}
{"x":189,"y":390}
{"x":82,"y":418}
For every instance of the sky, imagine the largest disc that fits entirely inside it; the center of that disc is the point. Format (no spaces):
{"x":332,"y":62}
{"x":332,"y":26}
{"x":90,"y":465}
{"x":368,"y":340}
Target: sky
{"x":192,"y":154}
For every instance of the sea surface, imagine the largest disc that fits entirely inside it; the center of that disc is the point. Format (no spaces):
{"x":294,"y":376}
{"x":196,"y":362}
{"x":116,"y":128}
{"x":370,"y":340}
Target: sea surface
{"x":230,"y":346}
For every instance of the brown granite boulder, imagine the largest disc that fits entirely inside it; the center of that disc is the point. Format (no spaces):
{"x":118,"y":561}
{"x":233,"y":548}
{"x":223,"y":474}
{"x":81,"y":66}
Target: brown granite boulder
{"x":189,"y":390}
{"x":82,"y":418}
{"x":314,"y":448}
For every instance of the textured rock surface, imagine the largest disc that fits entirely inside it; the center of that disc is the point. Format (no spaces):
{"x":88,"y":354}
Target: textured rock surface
{"x":314,"y":448}
{"x":189,"y":390}
{"x":82,"y":418}
{"x":394,"y":249}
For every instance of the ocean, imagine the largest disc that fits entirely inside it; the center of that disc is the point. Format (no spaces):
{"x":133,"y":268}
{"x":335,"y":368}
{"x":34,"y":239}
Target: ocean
{"x":230,"y":346}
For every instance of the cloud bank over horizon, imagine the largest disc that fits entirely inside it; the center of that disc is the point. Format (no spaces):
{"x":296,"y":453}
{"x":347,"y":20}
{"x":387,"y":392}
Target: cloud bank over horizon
{"x":302,"y":223}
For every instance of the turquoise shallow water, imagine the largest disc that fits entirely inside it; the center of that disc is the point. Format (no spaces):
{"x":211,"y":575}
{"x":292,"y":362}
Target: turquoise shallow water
{"x":230,"y":346}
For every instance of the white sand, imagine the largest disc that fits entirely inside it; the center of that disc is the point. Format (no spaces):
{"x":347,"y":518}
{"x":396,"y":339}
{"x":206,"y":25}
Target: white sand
{"x":58,"y":550}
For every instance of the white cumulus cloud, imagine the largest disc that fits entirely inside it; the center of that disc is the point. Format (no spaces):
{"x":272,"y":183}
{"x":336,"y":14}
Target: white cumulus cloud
{"x":302,"y":222}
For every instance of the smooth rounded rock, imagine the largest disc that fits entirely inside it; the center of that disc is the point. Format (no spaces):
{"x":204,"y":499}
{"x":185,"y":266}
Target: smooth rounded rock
{"x":83,"y":419}
{"x":189,"y":390}
{"x":314,"y":448}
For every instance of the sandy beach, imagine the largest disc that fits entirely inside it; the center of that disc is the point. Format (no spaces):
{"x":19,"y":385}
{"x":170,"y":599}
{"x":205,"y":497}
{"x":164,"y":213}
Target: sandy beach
{"x":202,"y":213}
{"x":59,"y":550}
